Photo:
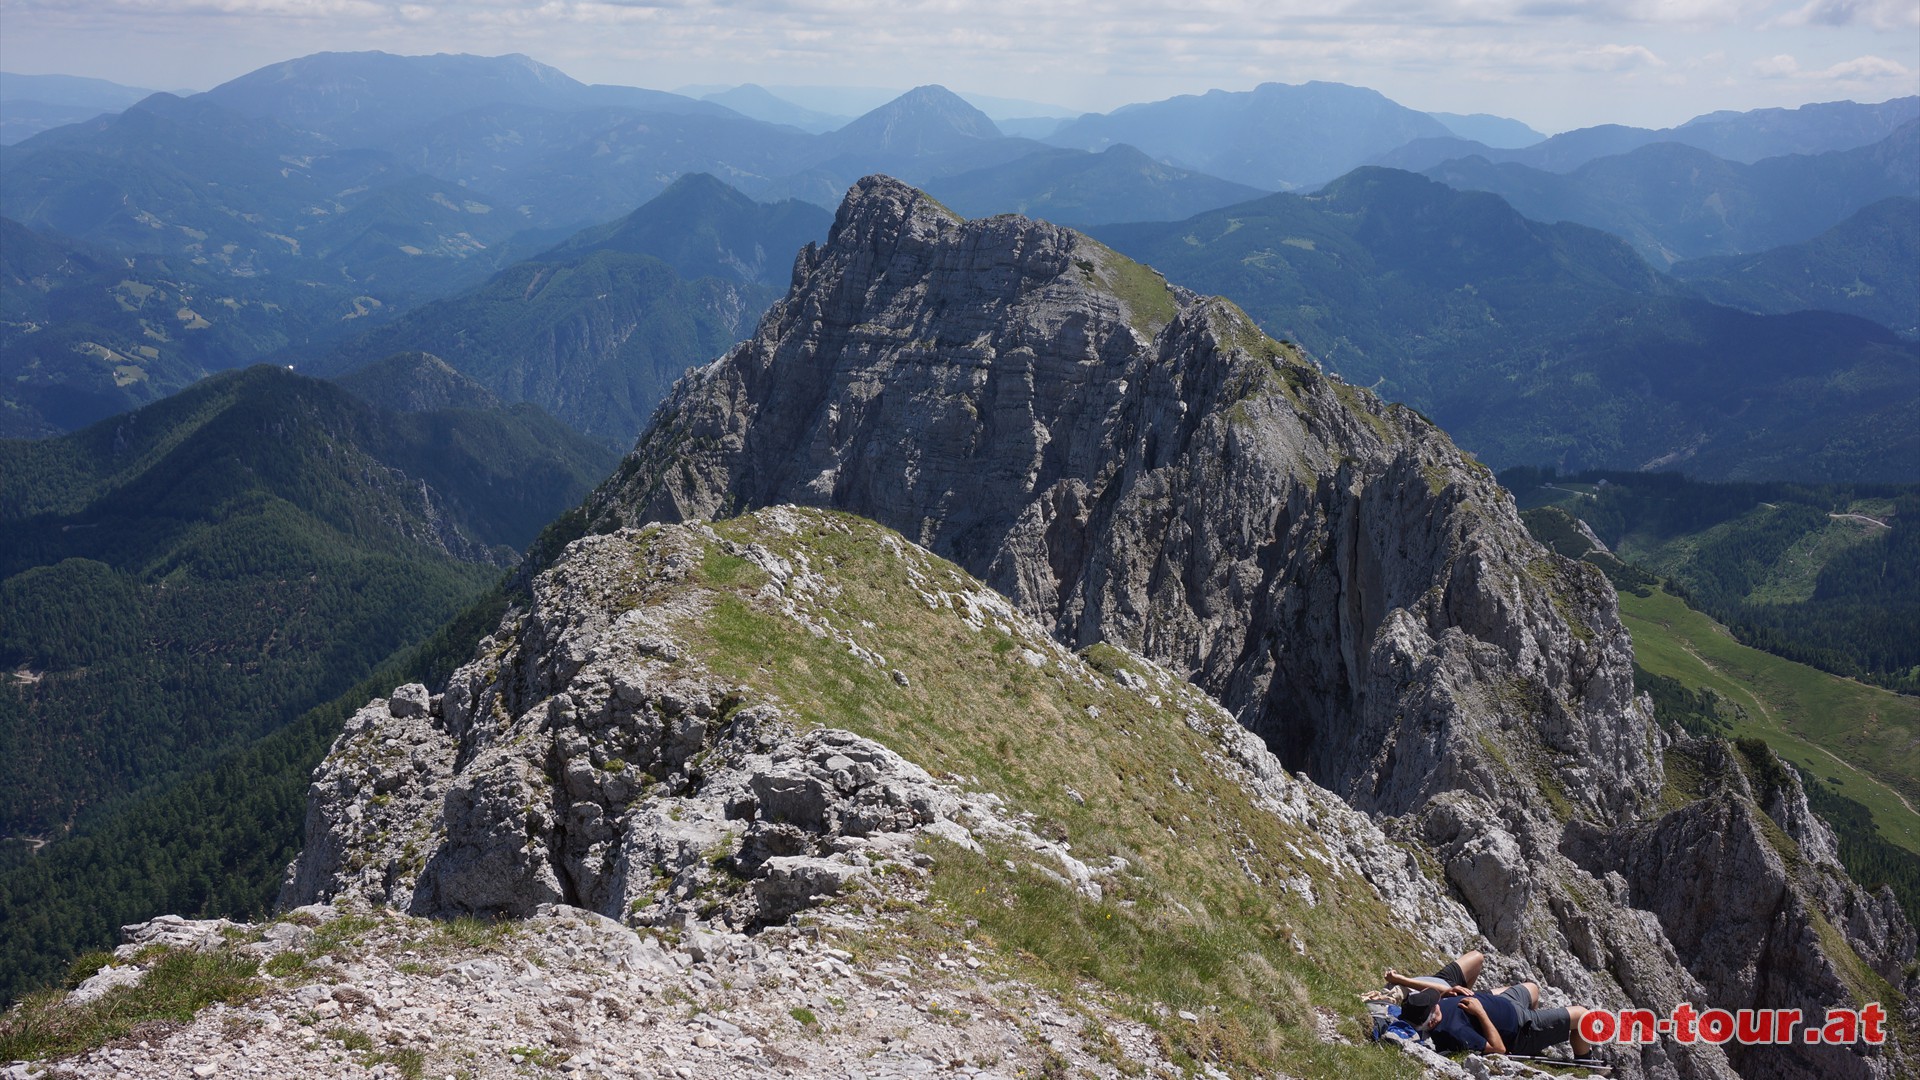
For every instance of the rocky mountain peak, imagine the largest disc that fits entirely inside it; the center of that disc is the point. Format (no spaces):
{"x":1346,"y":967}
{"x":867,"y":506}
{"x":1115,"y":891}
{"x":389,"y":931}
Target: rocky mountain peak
{"x":1062,"y":421}
{"x":1132,"y":464}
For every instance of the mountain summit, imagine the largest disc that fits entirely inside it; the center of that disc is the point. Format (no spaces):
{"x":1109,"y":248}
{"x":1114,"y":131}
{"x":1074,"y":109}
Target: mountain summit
{"x":924,"y":120}
{"x":1273,"y":136}
{"x":1131,"y":462}
{"x":360,"y":96}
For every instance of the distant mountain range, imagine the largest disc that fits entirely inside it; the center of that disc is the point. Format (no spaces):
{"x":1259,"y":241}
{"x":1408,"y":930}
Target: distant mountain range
{"x":291,"y":209}
{"x":598,"y":328}
{"x":759,"y":103}
{"x":30,"y":104}
{"x":1868,"y":265}
{"x":1489,"y":130}
{"x":847,"y":102}
{"x":1537,"y":343}
{"x":364,"y":98}
{"x":1072,"y":187}
{"x":1673,"y":201}
{"x":1274,"y":136}
{"x":488,"y":218}
{"x":1736,"y":136}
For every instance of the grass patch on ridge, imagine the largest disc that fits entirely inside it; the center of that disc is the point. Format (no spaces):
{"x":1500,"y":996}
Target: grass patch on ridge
{"x":1217,"y":909}
{"x":180,"y":984}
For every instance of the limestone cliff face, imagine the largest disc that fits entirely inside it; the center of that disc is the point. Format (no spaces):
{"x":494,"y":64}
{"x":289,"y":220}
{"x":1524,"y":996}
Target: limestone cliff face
{"x":1131,"y":463}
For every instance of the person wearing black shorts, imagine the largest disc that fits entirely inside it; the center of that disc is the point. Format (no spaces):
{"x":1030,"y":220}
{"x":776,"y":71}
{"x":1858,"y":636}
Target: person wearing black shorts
{"x":1456,"y":979}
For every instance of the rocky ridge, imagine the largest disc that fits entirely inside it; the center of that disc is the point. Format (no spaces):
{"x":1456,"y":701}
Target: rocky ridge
{"x":737,"y":811}
{"x":594,"y":755}
{"x":1131,"y":463}
{"x":653,"y":821}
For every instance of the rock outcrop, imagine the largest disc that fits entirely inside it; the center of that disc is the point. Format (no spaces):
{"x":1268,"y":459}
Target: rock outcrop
{"x":587,"y":761}
{"x":592,"y":756}
{"x":1768,"y":917}
{"x":645,"y":740}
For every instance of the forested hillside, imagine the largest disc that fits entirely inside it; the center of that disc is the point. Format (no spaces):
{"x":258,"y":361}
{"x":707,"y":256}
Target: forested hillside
{"x":213,"y":842}
{"x":1826,"y":574}
{"x":597,"y":329}
{"x":194,"y":574}
{"x":1868,"y":265}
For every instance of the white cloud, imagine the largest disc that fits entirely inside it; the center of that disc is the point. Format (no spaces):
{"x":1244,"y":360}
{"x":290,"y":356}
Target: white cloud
{"x":1867,"y":68}
{"x":1862,"y":73}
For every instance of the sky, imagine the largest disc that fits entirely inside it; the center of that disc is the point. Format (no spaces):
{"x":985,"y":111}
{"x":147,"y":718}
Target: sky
{"x":1555,"y":64}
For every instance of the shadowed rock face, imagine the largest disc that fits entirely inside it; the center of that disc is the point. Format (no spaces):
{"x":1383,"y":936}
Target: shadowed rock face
{"x":1130,"y":462}
{"x":1750,"y":901}
{"x":1133,"y":463}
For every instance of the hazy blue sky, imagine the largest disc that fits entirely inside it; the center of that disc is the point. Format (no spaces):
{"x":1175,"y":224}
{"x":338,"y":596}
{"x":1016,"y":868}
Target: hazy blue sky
{"x":1552,"y":63}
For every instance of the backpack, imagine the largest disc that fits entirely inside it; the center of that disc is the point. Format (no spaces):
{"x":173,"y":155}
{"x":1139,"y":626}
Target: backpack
{"x":1385,"y":1021}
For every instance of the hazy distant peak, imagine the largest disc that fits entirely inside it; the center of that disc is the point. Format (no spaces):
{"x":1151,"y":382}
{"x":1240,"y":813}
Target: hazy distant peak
{"x":1273,"y":136}
{"x":936,"y":100}
{"x":1894,"y":108}
{"x":925,"y":119}
{"x":703,"y":227}
{"x":757,"y":102}
{"x":363,"y":97}
{"x":374,"y":61}
{"x":702,"y":183}
{"x":72,"y":90}
{"x":1495,"y":131}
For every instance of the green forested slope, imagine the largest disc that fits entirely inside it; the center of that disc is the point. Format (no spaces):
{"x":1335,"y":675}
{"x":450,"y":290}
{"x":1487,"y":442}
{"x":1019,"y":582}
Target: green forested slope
{"x":213,"y":842}
{"x":1828,"y":575}
{"x":1868,"y":265}
{"x":595,"y":340}
{"x":194,"y":574}
{"x":597,"y":329}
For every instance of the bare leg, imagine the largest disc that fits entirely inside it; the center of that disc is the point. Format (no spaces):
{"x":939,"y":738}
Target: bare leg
{"x":1581,"y":1046}
{"x":1470,"y":963}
